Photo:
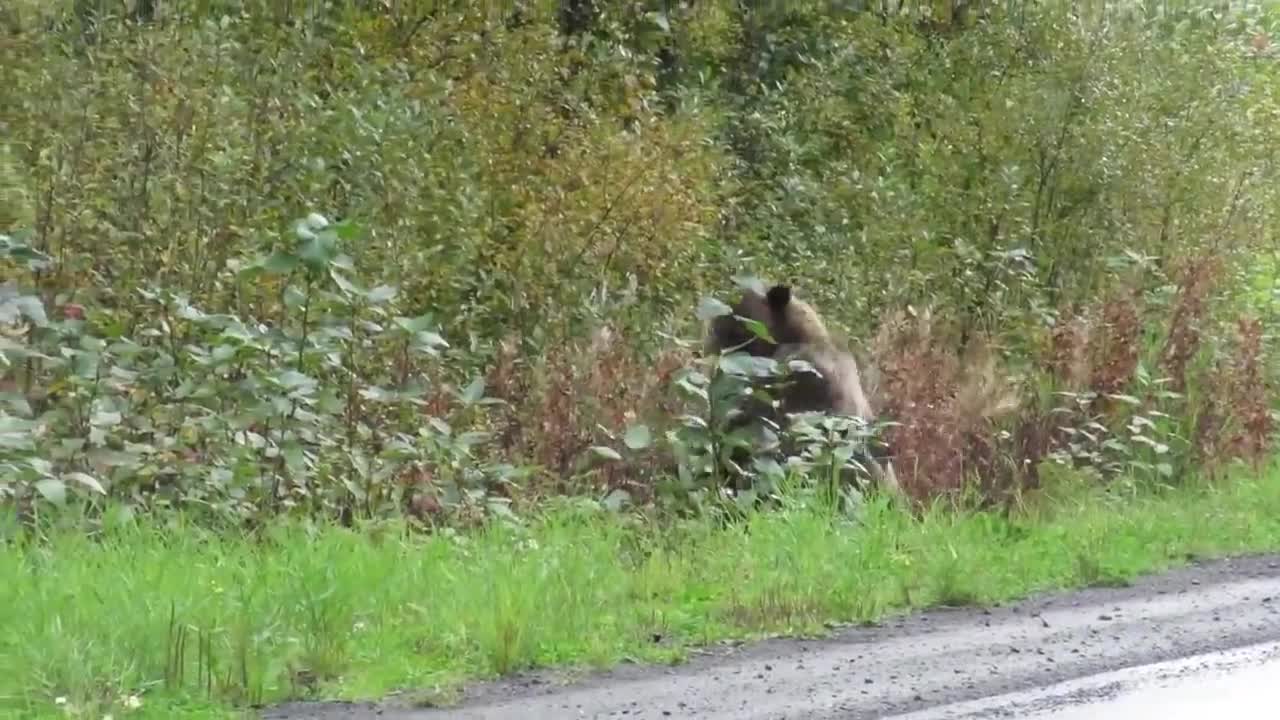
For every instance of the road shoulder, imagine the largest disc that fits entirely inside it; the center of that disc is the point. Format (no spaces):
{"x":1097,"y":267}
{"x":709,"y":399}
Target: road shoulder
{"x":904,"y":664}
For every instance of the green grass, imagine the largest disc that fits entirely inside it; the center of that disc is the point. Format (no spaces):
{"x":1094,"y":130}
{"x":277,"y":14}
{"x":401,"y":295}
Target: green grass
{"x":356,"y":614}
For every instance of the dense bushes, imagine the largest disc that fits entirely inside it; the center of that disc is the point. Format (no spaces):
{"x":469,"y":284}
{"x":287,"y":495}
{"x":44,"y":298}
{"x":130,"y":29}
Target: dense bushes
{"x":1054,"y":223}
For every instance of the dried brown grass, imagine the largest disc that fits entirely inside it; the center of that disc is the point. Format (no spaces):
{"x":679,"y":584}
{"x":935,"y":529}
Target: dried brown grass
{"x":1235,"y":421}
{"x":577,"y":395}
{"x":1115,"y":343}
{"x":964,"y":418}
{"x":1196,"y":280}
{"x":945,"y":407}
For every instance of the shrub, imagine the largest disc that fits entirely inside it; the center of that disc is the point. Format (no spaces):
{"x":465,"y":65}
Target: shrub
{"x":1092,"y":192}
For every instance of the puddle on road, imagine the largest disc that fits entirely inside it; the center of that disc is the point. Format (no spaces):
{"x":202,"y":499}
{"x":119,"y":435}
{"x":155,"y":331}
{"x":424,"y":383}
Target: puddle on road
{"x":1239,"y":684}
{"x":1245,"y":692}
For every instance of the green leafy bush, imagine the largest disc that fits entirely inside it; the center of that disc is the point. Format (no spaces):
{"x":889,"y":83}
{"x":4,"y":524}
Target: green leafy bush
{"x":323,"y":412}
{"x":530,"y":202}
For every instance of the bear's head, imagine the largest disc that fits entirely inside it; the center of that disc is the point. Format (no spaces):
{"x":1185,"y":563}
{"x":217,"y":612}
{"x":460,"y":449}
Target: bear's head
{"x":790,"y":321}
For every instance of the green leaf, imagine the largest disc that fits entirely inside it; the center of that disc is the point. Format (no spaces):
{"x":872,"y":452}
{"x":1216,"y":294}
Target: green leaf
{"x":758,"y":329}
{"x":293,"y":379}
{"x":16,"y":433}
{"x":376,"y":394}
{"x":344,"y":284}
{"x":473,"y":437}
{"x":128,"y":376}
{"x":24,"y":254}
{"x":86,"y":480}
{"x":30,"y":306}
{"x":742,"y":364}
{"x":616,"y":500}
{"x":501,"y":507}
{"x":118,"y":516}
{"x":40,"y":465}
{"x":430,"y":339}
{"x":416,"y":324}
{"x":17,"y":402}
{"x":281,"y":263}
{"x":83,"y":364}
{"x":113,"y":458}
{"x":348,"y":230}
{"x":381,"y":294}
{"x":607,"y":453}
{"x":472,"y":393}
{"x":105,"y":418}
{"x":294,"y":458}
{"x":14,"y":348}
{"x":294,"y":297}
{"x":319,"y":250}
{"x":53,"y":490}
{"x":638,"y":437}
{"x":710,"y":308}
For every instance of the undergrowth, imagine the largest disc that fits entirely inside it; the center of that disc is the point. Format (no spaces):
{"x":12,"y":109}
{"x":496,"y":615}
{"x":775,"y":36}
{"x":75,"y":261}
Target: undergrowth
{"x":509,"y":216}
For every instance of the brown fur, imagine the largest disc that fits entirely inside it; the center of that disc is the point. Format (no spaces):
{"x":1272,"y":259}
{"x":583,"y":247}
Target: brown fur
{"x":800,"y":334}
{"x":727,"y":332}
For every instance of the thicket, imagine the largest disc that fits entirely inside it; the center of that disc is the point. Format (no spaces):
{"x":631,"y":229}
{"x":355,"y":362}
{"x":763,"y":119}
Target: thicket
{"x":357,"y":259}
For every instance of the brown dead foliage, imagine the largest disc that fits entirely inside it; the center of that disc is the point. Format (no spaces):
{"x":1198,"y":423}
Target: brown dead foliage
{"x":945,"y":406}
{"x":1250,"y":393}
{"x":1196,"y":281}
{"x":1115,"y":342}
{"x":568,"y":399}
{"x":1235,"y":422}
{"x":1068,"y":357}
{"x":963,"y":418}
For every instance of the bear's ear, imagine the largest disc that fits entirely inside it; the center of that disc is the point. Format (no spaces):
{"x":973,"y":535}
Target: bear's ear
{"x":779,"y":297}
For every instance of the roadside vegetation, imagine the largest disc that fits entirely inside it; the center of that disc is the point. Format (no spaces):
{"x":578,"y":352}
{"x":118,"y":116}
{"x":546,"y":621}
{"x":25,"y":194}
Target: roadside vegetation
{"x":338,"y":343}
{"x":183,"y":621}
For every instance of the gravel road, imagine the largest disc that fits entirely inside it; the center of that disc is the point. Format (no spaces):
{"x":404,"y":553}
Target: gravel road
{"x":906,"y":665}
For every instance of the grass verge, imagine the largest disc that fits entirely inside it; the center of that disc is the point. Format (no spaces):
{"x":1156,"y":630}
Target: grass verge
{"x":189,"y":622}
